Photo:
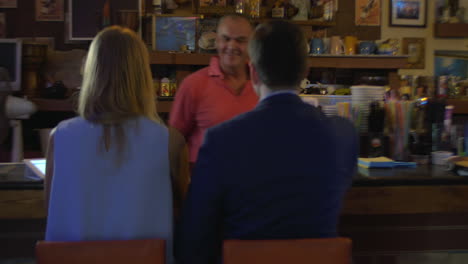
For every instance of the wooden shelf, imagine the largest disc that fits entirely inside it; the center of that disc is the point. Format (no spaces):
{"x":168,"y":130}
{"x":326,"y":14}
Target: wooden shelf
{"x":315,"y":61}
{"x":311,"y":22}
{"x":54,"y":105}
{"x":357,"y":61}
{"x":192,"y":58}
{"x":461,"y":105}
{"x":451,"y":30}
{"x":178,"y":58}
{"x":161,"y":57}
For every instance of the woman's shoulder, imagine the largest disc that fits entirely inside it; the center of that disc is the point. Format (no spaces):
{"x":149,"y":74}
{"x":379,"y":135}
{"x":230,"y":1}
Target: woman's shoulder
{"x":71,"y":123}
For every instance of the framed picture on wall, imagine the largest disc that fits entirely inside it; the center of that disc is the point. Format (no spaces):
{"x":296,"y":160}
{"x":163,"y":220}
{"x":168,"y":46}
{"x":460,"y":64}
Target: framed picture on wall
{"x":8,"y":3}
{"x":408,"y":13}
{"x":174,"y":33}
{"x":416,"y":51}
{"x":49,"y":10}
{"x":367,"y":12}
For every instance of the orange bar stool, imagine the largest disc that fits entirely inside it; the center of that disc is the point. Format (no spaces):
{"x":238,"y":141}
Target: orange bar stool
{"x":288,"y":251}
{"x":147,"y":251}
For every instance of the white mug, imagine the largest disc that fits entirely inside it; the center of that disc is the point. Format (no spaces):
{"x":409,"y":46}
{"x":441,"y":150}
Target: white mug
{"x":305,"y":83}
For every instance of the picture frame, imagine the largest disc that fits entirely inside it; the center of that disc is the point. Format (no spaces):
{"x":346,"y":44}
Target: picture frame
{"x":49,"y":10}
{"x":174,"y":33}
{"x":8,"y":3}
{"x":206,"y":35}
{"x":415,"y":48}
{"x":408,"y":13}
{"x":367,"y":13}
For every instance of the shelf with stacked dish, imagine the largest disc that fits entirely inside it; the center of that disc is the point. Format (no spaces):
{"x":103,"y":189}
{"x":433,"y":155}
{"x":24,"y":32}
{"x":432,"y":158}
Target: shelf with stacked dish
{"x":389,"y":63}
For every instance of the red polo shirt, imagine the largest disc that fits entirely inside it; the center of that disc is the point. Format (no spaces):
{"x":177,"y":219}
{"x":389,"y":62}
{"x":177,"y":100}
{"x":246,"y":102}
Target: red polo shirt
{"x":203,"y":100}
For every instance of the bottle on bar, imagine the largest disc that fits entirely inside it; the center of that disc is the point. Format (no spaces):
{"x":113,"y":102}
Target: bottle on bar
{"x":240,"y":6}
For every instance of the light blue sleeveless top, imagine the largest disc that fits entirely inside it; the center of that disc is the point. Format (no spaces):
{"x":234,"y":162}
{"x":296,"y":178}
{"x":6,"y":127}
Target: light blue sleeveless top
{"x":92,"y":198}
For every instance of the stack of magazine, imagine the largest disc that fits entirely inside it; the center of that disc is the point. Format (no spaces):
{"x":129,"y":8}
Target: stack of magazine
{"x":383,"y":162}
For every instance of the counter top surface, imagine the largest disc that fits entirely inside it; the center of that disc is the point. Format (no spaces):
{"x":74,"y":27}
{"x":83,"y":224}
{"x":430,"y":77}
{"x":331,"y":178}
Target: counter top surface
{"x":422,"y":175}
{"x":13,"y":177}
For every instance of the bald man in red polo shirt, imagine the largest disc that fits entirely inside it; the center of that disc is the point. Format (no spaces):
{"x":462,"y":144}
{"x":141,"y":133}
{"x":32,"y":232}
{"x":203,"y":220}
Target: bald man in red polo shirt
{"x":218,"y":92}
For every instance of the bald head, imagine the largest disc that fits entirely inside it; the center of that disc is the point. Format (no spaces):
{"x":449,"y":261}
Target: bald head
{"x":233,"y":35}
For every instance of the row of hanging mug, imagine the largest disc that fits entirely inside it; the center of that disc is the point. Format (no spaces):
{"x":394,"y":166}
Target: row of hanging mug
{"x":337,"y":46}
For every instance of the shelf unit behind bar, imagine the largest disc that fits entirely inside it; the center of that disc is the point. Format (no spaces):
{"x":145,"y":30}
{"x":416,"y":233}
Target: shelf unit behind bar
{"x":316,"y":61}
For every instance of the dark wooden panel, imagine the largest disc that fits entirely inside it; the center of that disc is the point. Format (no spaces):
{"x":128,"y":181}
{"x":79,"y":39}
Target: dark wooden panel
{"x":406,"y":200}
{"x":451,"y":30}
{"x":345,"y":23}
{"x":461,"y":106}
{"x":22,"y":204}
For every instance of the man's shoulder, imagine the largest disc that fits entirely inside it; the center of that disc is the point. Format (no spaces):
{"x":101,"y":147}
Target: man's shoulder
{"x":239,"y":122}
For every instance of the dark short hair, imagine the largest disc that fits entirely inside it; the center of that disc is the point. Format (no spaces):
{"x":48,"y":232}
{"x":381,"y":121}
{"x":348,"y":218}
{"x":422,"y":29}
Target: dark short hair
{"x":278,"y":50}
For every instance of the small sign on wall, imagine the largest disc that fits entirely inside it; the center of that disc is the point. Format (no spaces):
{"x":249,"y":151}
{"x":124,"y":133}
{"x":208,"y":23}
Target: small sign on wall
{"x":49,"y":10}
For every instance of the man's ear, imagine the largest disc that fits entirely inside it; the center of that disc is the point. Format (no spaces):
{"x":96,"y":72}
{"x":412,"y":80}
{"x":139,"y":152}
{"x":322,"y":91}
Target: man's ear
{"x":253,"y":74}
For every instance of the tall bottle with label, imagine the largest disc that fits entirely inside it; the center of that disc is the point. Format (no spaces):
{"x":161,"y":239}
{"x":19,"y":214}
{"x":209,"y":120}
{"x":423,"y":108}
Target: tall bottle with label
{"x":165,"y":87}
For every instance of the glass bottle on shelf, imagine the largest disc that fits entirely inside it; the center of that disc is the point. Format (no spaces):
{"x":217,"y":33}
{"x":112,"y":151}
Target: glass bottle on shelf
{"x":254,"y":8}
{"x":240,"y":6}
{"x":157,"y":7}
{"x":278,"y":10}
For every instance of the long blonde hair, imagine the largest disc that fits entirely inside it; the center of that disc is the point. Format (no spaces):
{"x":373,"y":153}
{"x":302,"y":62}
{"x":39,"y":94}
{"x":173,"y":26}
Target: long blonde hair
{"x":117,"y":83}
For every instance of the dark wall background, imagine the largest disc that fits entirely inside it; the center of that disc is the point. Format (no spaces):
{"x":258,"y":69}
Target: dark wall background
{"x":21,"y":23}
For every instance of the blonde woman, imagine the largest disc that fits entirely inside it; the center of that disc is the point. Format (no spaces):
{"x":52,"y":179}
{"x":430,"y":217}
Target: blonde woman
{"x":109,"y":170}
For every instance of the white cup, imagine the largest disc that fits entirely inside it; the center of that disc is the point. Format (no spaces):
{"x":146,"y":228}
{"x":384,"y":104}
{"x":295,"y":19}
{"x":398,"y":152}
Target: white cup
{"x":305,"y":83}
{"x":440,"y":157}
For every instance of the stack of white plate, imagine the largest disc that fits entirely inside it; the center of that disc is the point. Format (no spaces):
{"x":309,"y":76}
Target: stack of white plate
{"x":362,"y":96}
{"x":329,"y":110}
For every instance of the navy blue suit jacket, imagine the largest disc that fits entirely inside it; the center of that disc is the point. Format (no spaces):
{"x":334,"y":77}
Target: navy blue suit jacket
{"x":279,"y":171}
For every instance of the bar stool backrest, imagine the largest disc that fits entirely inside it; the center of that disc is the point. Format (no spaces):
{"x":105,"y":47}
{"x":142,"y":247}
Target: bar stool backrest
{"x":148,"y":251}
{"x":288,"y":251}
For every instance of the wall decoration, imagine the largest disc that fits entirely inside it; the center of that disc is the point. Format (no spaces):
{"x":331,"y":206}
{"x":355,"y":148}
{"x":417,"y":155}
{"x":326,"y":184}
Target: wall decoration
{"x":2,"y":25}
{"x":8,"y":3}
{"x":453,"y":62}
{"x":206,"y":34}
{"x":408,"y":13}
{"x":367,"y":13}
{"x":174,"y":33}
{"x":49,"y":10}
{"x":415,"y":49}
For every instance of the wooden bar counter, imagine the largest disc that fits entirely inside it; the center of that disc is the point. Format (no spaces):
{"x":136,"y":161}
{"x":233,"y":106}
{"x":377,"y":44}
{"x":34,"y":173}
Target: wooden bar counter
{"x":387,"y":212}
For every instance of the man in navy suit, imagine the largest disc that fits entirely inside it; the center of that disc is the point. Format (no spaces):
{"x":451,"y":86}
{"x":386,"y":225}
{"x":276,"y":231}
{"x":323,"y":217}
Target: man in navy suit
{"x":279,"y":171}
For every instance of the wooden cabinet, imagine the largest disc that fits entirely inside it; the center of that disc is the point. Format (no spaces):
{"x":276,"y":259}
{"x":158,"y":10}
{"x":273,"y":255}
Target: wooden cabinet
{"x":181,"y":60}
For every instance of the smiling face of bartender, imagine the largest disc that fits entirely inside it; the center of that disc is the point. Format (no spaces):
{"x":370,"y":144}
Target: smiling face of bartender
{"x":233,"y":35}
